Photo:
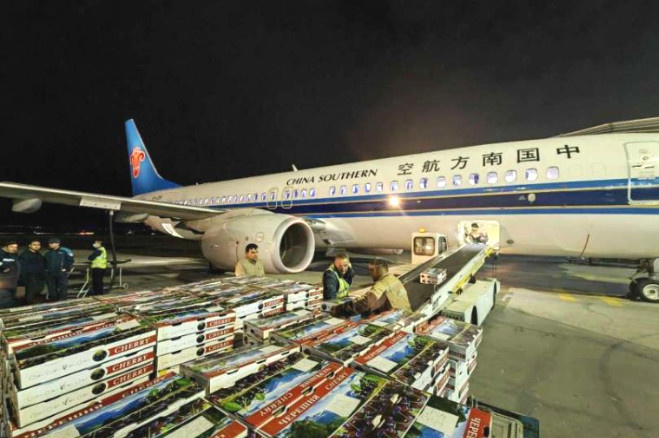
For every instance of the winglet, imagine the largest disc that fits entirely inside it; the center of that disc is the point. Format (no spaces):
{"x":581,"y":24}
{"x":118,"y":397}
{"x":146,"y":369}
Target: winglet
{"x":143,"y":174}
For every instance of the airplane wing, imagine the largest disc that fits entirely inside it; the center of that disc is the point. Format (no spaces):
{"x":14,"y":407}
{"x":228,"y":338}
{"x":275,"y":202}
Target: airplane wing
{"x":20,"y":192}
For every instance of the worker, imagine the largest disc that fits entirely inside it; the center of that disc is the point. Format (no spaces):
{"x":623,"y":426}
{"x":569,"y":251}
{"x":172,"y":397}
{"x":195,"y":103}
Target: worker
{"x":386,"y":292}
{"x":337,"y":278}
{"x":250,"y":265}
{"x":476,"y":235}
{"x":9,"y":267}
{"x":33,"y":271}
{"x":99,"y":259}
{"x":59,"y":261}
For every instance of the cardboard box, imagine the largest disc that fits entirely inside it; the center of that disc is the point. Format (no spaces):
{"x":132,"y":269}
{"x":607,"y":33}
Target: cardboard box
{"x":398,"y":410}
{"x":510,"y":424}
{"x":344,"y":347}
{"x":39,"y":320}
{"x":183,"y":318}
{"x":211,"y":423}
{"x":307,"y":332}
{"x":27,"y":337}
{"x":51,"y":389}
{"x":18,"y":313}
{"x":433,"y":276}
{"x":462,"y":338}
{"x":256,"y":397}
{"x":23,"y":416}
{"x":197,"y":339}
{"x":397,"y":319}
{"x":223,"y":370}
{"x":50,"y":361}
{"x":170,"y":360}
{"x":331,"y":403}
{"x":272,"y":311}
{"x":261,"y":328}
{"x":119,"y":413}
{"x":440,"y":381}
{"x":408,"y":358}
{"x":329,"y":305}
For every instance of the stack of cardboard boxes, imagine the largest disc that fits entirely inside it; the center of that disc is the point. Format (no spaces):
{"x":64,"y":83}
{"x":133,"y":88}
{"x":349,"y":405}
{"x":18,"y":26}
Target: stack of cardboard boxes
{"x":462,"y":340}
{"x":57,"y":360}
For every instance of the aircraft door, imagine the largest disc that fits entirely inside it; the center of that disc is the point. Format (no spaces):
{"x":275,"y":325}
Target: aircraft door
{"x":271,"y":202}
{"x":643,"y":172}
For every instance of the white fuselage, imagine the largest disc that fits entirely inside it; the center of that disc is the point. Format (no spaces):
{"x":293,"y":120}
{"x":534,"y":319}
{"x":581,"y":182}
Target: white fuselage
{"x":591,"y":196}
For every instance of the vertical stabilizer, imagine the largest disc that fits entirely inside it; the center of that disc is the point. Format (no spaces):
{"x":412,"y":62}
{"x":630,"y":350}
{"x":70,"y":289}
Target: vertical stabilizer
{"x":143,"y":174}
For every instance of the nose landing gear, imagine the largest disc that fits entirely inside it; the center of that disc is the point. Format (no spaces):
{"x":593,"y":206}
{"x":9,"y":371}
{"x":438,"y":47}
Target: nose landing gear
{"x":645,"y":282}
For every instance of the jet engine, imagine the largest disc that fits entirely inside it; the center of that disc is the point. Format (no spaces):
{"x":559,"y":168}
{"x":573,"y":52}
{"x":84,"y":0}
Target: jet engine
{"x":286,"y":243}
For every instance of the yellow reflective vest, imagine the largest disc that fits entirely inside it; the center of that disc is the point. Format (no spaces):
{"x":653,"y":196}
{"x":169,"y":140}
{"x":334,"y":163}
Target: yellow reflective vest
{"x":101,"y":262}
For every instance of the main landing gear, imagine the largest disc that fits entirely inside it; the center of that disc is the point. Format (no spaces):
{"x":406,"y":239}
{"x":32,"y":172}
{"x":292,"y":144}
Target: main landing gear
{"x":645,"y":281}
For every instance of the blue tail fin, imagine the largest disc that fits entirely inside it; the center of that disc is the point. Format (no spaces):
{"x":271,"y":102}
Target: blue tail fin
{"x":143,"y":174}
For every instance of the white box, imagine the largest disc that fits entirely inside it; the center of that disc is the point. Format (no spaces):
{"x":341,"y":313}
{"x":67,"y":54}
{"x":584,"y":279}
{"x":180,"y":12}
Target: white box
{"x":433,"y":276}
{"x":261,"y":328}
{"x":53,"y":388}
{"x":193,"y":340}
{"x":35,"y":370}
{"x":30,"y":414}
{"x":223,"y":370}
{"x":171,"y":360}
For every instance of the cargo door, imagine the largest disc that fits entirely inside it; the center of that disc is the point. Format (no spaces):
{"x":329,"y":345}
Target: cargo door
{"x":643,"y":172}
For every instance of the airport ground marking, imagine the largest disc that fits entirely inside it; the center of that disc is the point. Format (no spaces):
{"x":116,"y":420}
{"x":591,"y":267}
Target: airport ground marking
{"x":567,"y":297}
{"x":615,"y":302}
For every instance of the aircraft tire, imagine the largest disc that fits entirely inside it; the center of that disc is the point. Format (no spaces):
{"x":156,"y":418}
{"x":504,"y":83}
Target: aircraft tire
{"x":648,"y":289}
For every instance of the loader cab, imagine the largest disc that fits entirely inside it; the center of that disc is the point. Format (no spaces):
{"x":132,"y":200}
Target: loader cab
{"x":426,"y":245}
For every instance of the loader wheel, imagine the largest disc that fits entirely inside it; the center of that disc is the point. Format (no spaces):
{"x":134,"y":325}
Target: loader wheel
{"x":648,"y":290}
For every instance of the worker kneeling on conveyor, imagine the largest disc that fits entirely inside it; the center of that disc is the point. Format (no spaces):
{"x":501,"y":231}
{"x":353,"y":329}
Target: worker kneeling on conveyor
{"x":387,"y":292}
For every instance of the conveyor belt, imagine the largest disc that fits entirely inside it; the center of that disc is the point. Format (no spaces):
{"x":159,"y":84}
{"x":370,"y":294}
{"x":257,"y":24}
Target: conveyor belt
{"x":419,"y":293}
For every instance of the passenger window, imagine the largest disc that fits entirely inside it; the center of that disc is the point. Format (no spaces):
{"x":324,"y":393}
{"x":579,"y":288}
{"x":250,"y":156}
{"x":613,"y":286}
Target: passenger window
{"x":332,"y":191}
{"x":242,"y":198}
{"x":379,"y":186}
{"x":457,"y":180}
{"x":552,"y":172}
{"x":511,"y":175}
{"x":441,"y":182}
{"x":264,"y":196}
{"x":492,"y":177}
{"x":256,"y":197}
{"x":295,"y":193}
{"x":367,"y":187}
{"x":312,"y":193}
{"x":409,"y":184}
{"x":355,"y":188}
{"x":394,"y":186}
{"x":273,"y":196}
{"x":423,"y":183}
{"x":473,"y":179}
{"x":343,"y":190}
{"x":303,"y":193}
{"x":531,"y":174}
{"x":249,"y":197}
{"x":287,"y":194}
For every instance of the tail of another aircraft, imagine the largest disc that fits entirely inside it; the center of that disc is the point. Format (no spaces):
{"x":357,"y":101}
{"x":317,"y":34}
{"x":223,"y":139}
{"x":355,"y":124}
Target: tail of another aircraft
{"x":144,"y":176}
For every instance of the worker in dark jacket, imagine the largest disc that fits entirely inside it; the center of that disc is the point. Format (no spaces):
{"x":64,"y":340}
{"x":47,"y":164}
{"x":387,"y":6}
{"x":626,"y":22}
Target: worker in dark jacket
{"x":33,"y":271}
{"x":9,"y":267}
{"x":59,"y":261}
{"x":99,"y":259}
{"x":337,"y":278}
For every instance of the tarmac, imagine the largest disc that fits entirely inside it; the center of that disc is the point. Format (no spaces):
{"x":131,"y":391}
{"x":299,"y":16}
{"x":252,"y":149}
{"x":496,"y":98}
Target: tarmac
{"x":562,"y":344}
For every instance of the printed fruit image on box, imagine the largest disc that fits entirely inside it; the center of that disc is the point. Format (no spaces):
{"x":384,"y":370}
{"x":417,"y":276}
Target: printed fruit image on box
{"x":347,"y":345}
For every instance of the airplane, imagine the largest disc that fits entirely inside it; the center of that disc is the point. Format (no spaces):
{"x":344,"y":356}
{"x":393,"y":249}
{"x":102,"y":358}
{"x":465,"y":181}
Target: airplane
{"x":592,"y":193}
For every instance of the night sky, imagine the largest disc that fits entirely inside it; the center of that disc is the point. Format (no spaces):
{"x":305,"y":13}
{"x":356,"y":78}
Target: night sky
{"x":230,"y":89}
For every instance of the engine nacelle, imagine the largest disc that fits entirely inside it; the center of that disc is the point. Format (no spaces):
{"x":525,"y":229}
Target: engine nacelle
{"x":286,"y":243}
{"x":26,"y":205}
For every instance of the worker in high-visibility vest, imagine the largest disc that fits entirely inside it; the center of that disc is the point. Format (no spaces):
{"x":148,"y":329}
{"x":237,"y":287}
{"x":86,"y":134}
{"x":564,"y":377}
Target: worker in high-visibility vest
{"x":337,"y":278}
{"x":99,"y":259}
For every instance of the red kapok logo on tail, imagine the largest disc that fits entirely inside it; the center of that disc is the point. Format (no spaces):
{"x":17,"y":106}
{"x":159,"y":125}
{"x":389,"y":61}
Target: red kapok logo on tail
{"x":136,"y":157}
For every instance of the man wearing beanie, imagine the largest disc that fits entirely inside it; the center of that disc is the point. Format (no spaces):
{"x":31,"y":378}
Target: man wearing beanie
{"x":59,"y":261}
